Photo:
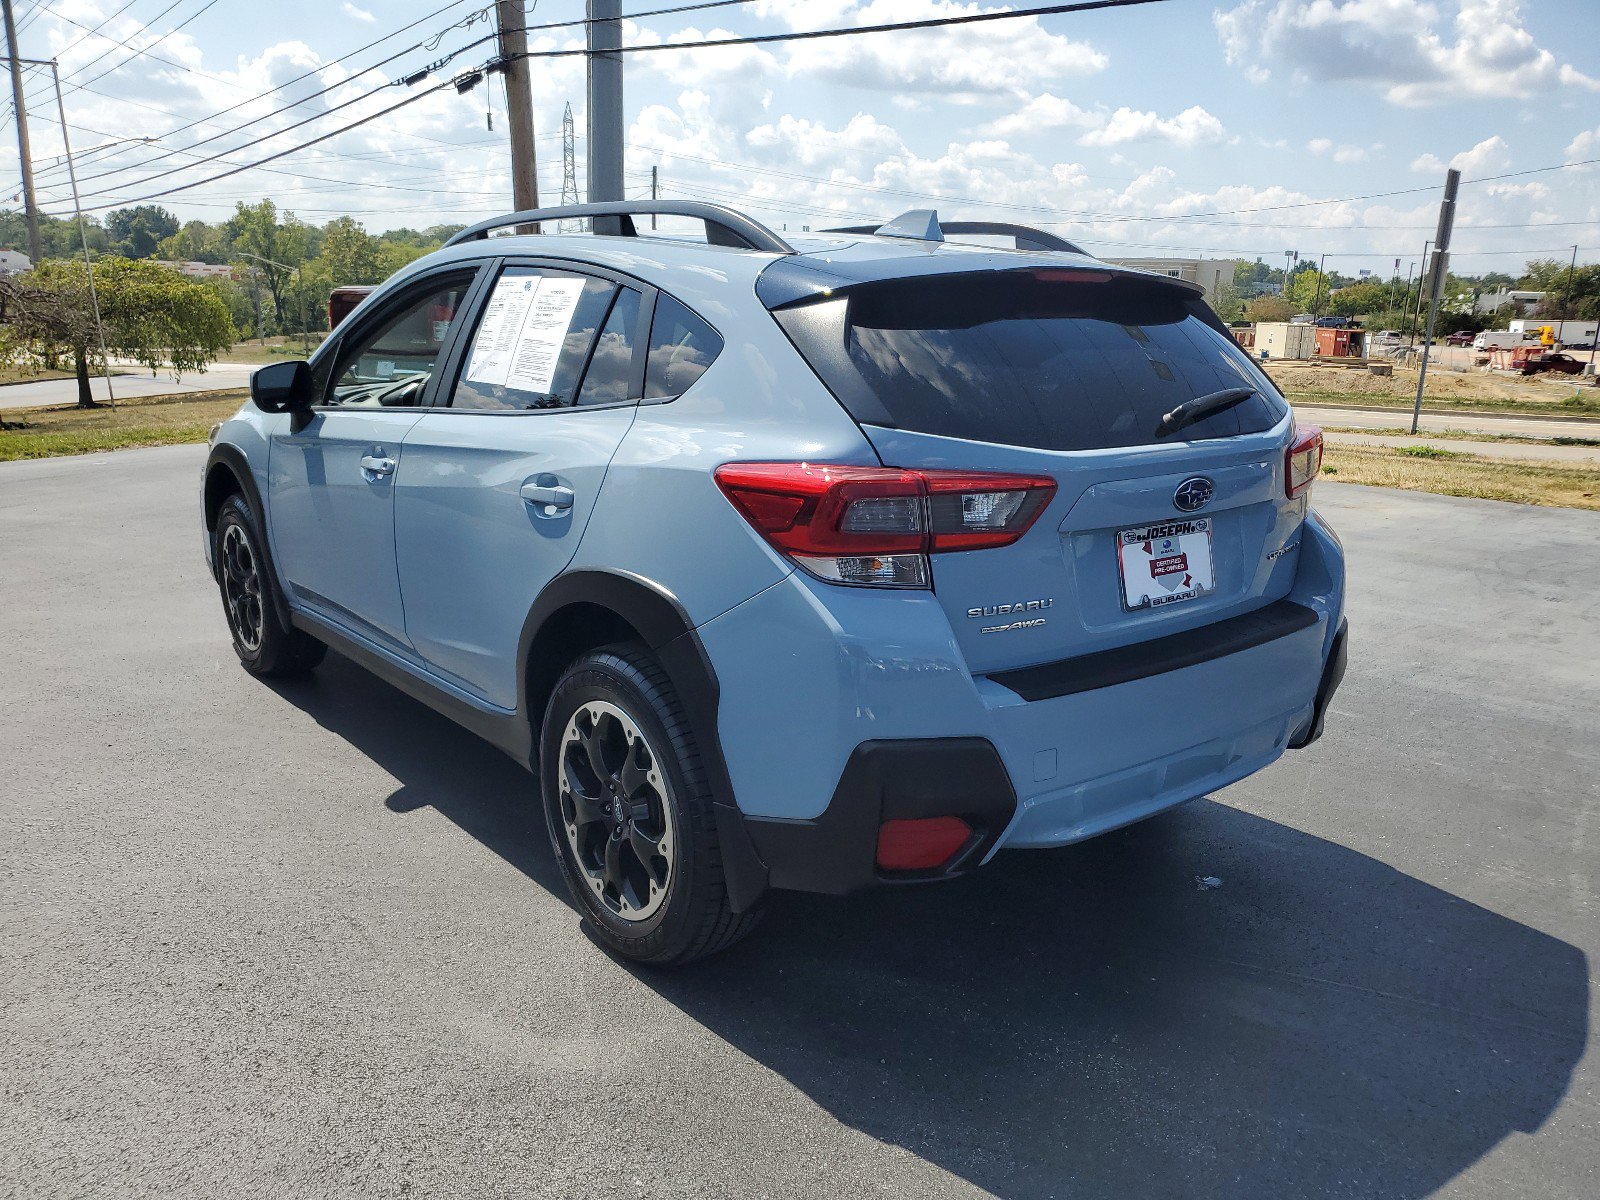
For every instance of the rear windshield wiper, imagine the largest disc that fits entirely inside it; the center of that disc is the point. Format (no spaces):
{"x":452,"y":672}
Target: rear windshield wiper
{"x":1201,"y":407}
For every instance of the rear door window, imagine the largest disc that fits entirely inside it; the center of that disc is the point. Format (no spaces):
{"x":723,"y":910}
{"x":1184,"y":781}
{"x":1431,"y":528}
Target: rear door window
{"x":533,"y":340}
{"x":682,"y":346}
{"x":609,"y":379}
{"x":1053,"y":360}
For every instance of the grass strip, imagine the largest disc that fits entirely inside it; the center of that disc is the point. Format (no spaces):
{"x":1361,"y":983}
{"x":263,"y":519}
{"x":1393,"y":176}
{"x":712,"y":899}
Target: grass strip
{"x":147,"y":421}
{"x":1451,"y":473}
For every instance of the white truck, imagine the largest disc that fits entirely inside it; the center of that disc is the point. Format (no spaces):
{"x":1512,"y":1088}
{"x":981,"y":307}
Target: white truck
{"x":1504,"y":339}
{"x":1573,"y":333}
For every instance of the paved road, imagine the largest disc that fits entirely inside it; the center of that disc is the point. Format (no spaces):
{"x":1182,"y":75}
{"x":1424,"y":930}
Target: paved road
{"x":1525,"y":450}
{"x":125,"y":387}
{"x":307,"y":940}
{"x":1508,"y":423}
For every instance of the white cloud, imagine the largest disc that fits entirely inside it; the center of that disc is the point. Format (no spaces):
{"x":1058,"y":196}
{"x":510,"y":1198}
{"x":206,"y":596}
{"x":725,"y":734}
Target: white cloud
{"x":963,"y":64}
{"x":1044,"y":111}
{"x":359,"y":14}
{"x":1343,"y":154}
{"x":1585,"y":146}
{"x":811,"y":145}
{"x":1194,"y":126}
{"x":1488,"y":156}
{"x":1399,"y":45}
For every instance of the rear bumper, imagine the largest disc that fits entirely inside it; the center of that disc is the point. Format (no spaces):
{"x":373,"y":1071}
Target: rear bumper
{"x":835,"y":852}
{"x":841,"y":709}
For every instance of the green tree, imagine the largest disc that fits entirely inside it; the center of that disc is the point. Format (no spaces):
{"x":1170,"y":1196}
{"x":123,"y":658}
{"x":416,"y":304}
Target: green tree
{"x":274,"y":248}
{"x":196,"y":242}
{"x":150,"y":314}
{"x":1358,"y":299}
{"x":1269,"y":308}
{"x":1304,"y":285}
{"x":1227,"y":302}
{"x":1247,"y":275}
{"x":136,"y":232}
{"x":1578,"y":296}
{"x":59,"y":237}
{"x":350,"y":254}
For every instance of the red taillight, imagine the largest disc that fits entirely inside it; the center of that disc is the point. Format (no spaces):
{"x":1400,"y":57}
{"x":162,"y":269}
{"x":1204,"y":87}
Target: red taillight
{"x":924,"y":844}
{"x":875,"y":526}
{"x":1303,"y":460}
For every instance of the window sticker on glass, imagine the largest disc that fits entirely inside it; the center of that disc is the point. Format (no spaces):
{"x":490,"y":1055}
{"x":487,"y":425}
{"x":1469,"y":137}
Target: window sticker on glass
{"x":523,"y":330}
{"x":544,"y":333}
{"x":502,"y":322}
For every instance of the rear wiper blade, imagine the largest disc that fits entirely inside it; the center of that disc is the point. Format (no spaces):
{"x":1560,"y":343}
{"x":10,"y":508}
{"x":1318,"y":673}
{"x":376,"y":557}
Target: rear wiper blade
{"x":1201,"y":407}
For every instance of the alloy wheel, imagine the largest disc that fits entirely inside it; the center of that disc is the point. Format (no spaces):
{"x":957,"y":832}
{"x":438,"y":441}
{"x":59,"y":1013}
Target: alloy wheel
{"x":241,"y":587}
{"x":616,"y":810}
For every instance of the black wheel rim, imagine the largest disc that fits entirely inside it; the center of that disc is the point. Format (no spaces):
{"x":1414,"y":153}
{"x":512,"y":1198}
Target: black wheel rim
{"x":616,"y":811}
{"x":241,"y":587}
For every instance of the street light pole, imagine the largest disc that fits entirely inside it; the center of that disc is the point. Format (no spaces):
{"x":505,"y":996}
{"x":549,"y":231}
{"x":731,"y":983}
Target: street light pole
{"x":305,"y":321}
{"x":1561,"y":324}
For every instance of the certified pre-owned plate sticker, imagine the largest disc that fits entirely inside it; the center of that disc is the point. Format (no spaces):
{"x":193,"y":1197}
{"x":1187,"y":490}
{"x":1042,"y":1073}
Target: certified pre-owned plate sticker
{"x":1165,"y":564}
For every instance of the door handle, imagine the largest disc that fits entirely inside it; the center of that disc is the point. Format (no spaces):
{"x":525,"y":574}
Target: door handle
{"x":554,"y":496}
{"x":375,"y":465}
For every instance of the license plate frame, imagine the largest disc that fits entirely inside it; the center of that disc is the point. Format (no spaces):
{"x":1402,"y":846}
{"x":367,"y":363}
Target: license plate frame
{"x":1177,"y":560}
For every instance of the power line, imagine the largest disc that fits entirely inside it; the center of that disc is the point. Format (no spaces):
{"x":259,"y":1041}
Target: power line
{"x":962,"y":19}
{"x":761,"y":39}
{"x":184,"y":187}
{"x":60,"y":54}
{"x":137,"y":51}
{"x":280,"y":87}
{"x":1085,"y":217}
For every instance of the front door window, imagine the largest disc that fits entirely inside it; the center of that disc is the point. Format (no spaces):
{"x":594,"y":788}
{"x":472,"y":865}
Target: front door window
{"x":389,"y":367}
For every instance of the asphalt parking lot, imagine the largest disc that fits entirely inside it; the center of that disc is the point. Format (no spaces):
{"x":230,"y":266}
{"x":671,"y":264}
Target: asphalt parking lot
{"x":309,"y":941}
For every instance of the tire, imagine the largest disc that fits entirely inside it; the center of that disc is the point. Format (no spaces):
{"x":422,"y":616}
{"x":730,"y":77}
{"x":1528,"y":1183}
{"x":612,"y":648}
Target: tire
{"x":265,"y":645}
{"x":646,"y":872}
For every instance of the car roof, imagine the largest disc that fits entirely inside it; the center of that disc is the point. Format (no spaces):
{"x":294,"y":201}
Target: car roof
{"x":708,"y":277}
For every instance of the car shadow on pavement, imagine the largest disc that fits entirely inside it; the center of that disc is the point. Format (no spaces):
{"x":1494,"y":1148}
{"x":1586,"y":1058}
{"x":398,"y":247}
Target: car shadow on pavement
{"x":439,"y":764}
{"x":1097,"y":1021}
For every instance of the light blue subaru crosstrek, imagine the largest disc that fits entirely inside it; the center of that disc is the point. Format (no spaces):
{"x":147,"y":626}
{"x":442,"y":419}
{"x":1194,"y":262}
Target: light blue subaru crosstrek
{"x":811,"y":566}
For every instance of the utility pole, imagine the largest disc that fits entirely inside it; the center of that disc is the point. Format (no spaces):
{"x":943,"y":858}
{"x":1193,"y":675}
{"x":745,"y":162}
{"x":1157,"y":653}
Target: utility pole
{"x":24,"y":153}
{"x":512,"y":20}
{"x":605,"y":108}
{"x":655,"y":192}
{"x":1561,"y":324}
{"x":1436,"y":278}
{"x":1316,"y":303}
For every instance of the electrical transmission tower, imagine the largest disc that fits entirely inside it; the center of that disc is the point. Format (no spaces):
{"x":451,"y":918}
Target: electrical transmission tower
{"x":569,"y":170}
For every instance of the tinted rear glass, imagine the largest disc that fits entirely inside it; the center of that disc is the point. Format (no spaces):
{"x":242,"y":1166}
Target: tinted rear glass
{"x":1027,"y":358}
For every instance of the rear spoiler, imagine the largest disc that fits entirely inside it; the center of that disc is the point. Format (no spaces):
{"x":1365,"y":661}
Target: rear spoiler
{"x":799,"y":278}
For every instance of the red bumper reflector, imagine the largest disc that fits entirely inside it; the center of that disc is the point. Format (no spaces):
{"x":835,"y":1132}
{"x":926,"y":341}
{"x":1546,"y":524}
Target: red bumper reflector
{"x":924,"y":844}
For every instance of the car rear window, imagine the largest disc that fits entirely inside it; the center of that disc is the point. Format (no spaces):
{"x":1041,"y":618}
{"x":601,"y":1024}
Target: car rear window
{"x":1050,"y":359}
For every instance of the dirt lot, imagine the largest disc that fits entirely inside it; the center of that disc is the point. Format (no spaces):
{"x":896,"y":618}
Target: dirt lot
{"x":1445,"y":387}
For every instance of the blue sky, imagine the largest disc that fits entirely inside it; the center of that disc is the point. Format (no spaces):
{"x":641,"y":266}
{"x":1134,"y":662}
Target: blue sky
{"x":1178,"y":127}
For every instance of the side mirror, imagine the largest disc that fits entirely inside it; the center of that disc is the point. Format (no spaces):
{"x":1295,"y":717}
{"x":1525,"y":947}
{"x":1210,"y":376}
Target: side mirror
{"x":282,"y":387}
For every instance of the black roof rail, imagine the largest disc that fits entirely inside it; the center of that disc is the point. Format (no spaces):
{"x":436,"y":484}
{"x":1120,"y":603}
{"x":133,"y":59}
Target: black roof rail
{"x":1024,"y":237}
{"x":724,"y":226}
